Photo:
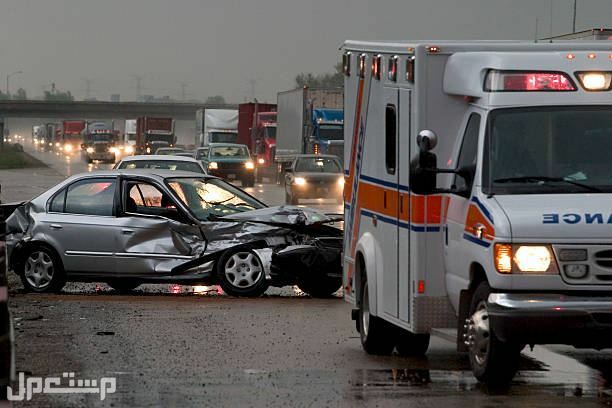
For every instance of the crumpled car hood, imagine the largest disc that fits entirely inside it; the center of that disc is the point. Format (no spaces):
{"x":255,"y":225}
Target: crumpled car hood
{"x":285,"y":215}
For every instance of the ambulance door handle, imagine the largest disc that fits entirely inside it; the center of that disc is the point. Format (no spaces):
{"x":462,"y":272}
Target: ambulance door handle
{"x":446,"y":234}
{"x":375,"y":220}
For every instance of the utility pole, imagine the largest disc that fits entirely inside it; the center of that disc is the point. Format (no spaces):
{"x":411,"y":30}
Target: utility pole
{"x":574,"y":19}
{"x":138,"y":79}
{"x":252,"y":83}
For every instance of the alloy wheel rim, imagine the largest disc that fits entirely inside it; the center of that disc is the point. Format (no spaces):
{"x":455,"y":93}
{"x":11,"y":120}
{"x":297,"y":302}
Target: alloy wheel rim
{"x":243,"y":270}
{"x":39,"y":270}
{"x":479,"y":333}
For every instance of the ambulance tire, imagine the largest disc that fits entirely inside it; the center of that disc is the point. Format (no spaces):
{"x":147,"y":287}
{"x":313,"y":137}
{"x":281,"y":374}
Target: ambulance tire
{"x":493,"y":361}
{"x":412,"y":345}
{"x":377,"y":335}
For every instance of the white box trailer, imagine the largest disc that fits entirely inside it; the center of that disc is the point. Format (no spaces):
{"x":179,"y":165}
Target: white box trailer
{"x":502,"y":231}
{"x":216,"y":126}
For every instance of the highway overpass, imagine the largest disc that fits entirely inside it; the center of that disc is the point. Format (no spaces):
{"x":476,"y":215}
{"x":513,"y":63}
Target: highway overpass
{"x":101,"y":110}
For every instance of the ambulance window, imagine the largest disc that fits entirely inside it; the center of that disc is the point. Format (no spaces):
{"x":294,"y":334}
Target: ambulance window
{"x":469,"y":152}
{"x":390,"y":138}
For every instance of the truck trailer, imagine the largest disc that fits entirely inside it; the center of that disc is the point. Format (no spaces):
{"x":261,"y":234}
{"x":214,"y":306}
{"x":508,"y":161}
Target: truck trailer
{"x":216,"y":126}
{"x":477,"y":197}
{"x":310,"y":121}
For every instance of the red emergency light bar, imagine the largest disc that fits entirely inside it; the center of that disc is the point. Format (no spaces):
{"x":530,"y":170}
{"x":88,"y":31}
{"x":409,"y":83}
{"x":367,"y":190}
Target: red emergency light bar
{"x":528,"y":81}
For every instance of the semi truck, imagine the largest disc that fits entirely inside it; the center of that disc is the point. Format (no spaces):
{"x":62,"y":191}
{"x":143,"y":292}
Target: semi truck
{"x":477,"y":197}
{"x":257,"y":130}
{"x":153,"y":133}
{"x":216,"y":126}
{"x":310,"y":121}
{"x":71,"y":135}
{"x":100,"y":141}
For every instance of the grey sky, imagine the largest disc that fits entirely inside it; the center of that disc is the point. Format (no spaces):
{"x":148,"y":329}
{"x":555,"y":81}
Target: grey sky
{"x":217,"y":46}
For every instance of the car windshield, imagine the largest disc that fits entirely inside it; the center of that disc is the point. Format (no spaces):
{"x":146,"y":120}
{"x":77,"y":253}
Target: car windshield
{"x":317,"y":165}
{"x":162,"y":165}
{"x":229,"y":152}
{"x":549,"y":150}
{"x":223,"y":137}
{"x":168,"y":152}
{"x":211,"y":198}
{"x":331,"y":132}
{"x":104,"y":137}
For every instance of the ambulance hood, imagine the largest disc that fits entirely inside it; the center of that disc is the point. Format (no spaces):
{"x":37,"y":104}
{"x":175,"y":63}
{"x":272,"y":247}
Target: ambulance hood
{"x":558,"y":217}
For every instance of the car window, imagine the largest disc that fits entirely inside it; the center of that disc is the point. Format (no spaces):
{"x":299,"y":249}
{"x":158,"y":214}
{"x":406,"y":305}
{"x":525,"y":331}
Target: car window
{"x":146,"y":195}
{"x":57,"y":203}
{"x":228,"y":152}
{"x":317,"y":165}
{"x":90,"y":197}
{"x":201,"y":154}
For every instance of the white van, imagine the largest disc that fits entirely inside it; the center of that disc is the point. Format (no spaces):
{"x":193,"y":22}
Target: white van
{"x":478,"y":196}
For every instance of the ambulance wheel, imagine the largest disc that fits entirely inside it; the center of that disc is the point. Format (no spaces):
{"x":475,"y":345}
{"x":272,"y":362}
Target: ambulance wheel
{"x":377,"y":335}
{"x":412,"y":345}
{"x":493,"y":361}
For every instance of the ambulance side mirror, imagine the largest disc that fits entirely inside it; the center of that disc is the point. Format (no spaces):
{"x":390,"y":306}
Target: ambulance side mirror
{"x":427,"y":140}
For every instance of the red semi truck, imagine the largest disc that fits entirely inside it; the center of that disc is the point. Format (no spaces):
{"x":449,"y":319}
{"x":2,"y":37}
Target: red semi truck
{"x":153,"y":133}
{"x":257,"y":130}
{"x":71,"y":135}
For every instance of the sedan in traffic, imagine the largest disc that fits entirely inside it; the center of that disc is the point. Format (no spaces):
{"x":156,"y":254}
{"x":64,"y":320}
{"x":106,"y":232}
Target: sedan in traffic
{"x":155,"y":162}
{"x":314,"y":176}
{"x":128,"y":227}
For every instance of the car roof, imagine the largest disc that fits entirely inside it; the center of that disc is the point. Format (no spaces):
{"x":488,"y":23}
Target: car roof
{"x":226,"y":144}
{"x":152,"y":173}
{"x":316,"y":156}
{"x":159,"y":157}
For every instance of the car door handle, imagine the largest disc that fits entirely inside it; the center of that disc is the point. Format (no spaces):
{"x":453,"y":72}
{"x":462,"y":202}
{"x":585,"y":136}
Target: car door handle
{"x":126,"y":231}
{"x":55,"y":226}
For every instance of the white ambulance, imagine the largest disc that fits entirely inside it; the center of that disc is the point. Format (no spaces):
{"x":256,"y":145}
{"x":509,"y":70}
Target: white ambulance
{"x":478,"y":196}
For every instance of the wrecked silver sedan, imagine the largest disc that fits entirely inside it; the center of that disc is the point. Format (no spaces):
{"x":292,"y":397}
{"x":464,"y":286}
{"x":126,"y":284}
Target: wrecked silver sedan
{"x":129,"y":227}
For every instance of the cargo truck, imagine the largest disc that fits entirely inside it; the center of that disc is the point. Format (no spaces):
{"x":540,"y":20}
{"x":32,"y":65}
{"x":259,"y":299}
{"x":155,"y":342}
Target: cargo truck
{"x":100,"y":142}
{"x":216,"y":126}
{"x":71,"y":135}
{"x":129,"y":137}
{"x":153,"y":133}
{"x":477,"y":197}
{"x":309,"y":121}
{"x":257,"y":130}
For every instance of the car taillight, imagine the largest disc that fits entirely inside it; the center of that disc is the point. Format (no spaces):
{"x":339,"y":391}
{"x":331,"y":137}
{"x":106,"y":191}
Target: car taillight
{"x":524,"y":81}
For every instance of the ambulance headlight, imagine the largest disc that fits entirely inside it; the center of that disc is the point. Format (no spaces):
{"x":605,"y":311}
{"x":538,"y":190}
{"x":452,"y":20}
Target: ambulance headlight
{"x":595,"y":81}
{"x":536,"y":259}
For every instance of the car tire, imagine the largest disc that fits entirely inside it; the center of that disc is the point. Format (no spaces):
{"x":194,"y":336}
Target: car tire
{"x":248,"y":182}
{"x":41,"y":270}
{"x":377,"y":335}
{"x":493,"y":361}
{"x":123,"y":285}
{"x":411,"y":345}
{"x":320,"y":286}
{"x":240,"y":272}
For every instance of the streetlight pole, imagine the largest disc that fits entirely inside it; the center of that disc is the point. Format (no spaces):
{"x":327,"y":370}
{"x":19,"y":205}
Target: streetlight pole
{"x":7,"y":80}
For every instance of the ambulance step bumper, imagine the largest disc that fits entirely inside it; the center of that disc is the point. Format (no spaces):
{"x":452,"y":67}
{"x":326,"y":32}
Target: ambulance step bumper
{"x":526,"y":318}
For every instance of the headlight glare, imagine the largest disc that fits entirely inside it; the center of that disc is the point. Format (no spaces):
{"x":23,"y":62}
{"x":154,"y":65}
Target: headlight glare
{"x":299,"y":181}
{"x":90,"y":150}
{"x":533,"y":258}
{"x":249,"y":165}
{"x":213,"y":166}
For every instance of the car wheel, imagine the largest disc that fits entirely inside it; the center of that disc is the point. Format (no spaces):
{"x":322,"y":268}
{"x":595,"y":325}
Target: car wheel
{"x":493,"y":361}
{"x":377,"y":335}
{"x":123,"y":285}
{"x":320,"y":286}
{"x":411,"y":345}
{"x":241,"y":273}
{"x":41,"y":270}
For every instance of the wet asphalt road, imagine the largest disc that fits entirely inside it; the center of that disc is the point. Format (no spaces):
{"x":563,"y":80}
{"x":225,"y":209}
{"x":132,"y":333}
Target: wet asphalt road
{"x":183,"y":346}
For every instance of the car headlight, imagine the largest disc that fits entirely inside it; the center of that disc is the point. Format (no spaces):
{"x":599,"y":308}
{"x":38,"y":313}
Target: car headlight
{"x":67,"y":147}
{"x":213,"y":166}
{"x":249,"y":165}
{"x":129,"y":149}
{"x":525,"y":259}
{"x":261,"y":161}
{"x":299,"y":181}
{"x":148,"y":150}
{"x":90,"y":150}
{"x":341,"y":181}
{"x":113,"y":150}
{"x":57,"y":144}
